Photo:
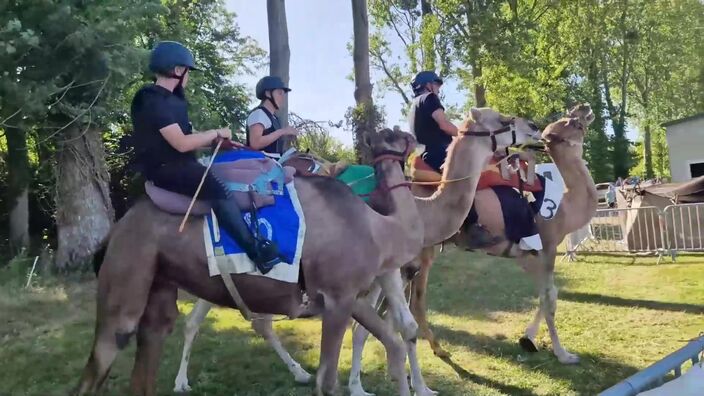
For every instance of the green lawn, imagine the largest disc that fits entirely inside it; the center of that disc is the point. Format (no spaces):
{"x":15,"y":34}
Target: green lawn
{"x":617,"y":314}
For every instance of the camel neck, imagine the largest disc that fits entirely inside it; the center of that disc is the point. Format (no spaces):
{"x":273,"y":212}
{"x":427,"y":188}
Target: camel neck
{"x":400,"y":198}
{"x":466,"y":158}
{"x":579,"y":184}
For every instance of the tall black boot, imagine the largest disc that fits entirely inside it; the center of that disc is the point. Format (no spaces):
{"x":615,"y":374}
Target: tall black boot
{"x":264,"y":253}
{"x":478,"y":237}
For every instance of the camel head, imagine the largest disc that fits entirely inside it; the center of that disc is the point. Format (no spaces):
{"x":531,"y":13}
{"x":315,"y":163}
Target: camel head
{"x":570,"y":130}
{"x":394,"y":142}
{"x":502,"y":126}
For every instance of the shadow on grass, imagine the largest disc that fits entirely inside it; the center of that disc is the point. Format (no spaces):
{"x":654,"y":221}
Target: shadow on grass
{"x":477,"y":379}
{"x":475,"y":285}
{"x":593,"y":374}
{"x":589,"y":298}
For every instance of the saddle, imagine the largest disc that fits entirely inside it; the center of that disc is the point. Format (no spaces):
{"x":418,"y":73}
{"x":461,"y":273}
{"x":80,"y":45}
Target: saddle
{"x":253,"y":183}
{"x":496,"y":173}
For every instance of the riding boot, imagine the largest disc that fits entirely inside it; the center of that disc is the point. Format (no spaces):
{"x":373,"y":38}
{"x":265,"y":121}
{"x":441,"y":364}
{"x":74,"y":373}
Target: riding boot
{"x":264,"y":253}
{"x":476,"y":236}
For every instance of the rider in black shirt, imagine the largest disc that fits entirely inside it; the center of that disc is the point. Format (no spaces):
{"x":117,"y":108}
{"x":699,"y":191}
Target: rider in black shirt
{"x":164,"y":143}
{"x":429,"y":123}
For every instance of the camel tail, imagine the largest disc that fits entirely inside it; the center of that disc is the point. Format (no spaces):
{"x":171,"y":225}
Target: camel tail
{"x":99,"y":255}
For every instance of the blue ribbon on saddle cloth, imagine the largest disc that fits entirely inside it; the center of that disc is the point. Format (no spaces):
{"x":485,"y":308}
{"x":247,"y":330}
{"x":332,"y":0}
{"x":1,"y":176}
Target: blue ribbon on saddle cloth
{"x":283,"y":223}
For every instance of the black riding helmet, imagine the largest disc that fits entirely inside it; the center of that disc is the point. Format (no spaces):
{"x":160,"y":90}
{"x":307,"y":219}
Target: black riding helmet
{"x":268,"y":84}
{"x":422,"y":78}
{"x":166,"y":55}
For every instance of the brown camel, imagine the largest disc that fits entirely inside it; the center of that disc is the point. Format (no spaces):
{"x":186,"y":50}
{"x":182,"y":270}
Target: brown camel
{"x":444,"y":209}
{"x":564,"y":141}
{"x":146,"y":261}
{"x":471,"y":155}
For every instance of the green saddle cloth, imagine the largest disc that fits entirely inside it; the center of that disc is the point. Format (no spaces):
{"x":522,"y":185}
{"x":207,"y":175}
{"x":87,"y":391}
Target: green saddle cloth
{"x":360,"y":178}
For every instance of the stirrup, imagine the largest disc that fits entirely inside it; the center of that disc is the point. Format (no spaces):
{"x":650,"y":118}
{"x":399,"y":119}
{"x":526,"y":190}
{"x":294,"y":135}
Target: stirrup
{"x":267,"y":246}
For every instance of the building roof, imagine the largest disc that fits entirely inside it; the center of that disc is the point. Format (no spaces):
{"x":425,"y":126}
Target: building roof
{"x":681,"y":120}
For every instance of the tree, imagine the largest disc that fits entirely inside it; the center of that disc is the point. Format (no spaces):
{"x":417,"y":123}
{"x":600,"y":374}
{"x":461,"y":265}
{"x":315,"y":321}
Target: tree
{"x":279,"y":52}
{"x":665,"y":57}
{"x":317,"y":138}
{"x":364,"y":117}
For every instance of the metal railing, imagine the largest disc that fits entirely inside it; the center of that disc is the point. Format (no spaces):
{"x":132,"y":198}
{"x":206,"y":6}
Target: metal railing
{"x":644,"y":230}
{"x":654,"y":375}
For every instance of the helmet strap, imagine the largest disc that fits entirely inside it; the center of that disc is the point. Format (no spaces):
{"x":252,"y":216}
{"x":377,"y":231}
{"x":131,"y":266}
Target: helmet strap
{"x":179,"y":90}
{"x":270,"y":98}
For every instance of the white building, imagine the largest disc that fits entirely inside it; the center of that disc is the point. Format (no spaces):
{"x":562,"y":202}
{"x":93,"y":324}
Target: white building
{"x":685,"y":139}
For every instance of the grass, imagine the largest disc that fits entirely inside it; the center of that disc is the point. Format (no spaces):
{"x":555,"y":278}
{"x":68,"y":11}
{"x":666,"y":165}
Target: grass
{"x":618,"y":315}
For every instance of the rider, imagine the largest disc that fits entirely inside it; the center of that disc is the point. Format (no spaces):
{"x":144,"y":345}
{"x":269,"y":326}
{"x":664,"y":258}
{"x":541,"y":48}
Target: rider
{"x":164,"y":143}
{"x":264,"y":130}
{"x":429,"y":123}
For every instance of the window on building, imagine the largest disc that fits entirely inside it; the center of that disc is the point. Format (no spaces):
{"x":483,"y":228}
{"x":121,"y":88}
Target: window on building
{"x":696,"y":169}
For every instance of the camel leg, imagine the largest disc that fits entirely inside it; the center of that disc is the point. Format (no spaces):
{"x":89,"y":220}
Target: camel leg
{"x":190,"y":331}
{"x":359,"y":338}
{"x":548,"y":305}
{"x":262,"y":325}
{"x":419,"y":305}
{"x":335,"y":318}
{"x":533,"y":266}
{"x":395,"y":353}
{"x":156,"y":323}
{"x":392,"y":285}
{"x":121,"y":299}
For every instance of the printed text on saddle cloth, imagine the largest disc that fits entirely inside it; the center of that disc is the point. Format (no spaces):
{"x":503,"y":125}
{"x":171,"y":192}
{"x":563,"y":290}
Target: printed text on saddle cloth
{"x":554,"y":188}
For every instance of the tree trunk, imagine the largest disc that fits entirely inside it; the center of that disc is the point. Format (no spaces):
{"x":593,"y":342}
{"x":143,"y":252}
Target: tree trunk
{"x":365,"y":114}
{"x":597,"y":147}
{"x":18,"y":187}
{"x":427,"y":42}
{"x":84,"y":212}
{"x":648,"y":151}
{"x":479,"y":88}
{"x":279,"y":53}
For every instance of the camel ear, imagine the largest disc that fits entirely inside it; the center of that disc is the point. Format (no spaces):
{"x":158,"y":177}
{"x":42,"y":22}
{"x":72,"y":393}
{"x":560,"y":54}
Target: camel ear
{"x":476,"y":114}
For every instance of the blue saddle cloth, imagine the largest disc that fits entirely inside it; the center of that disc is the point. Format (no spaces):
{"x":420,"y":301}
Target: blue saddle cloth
{"x":282,"y":222}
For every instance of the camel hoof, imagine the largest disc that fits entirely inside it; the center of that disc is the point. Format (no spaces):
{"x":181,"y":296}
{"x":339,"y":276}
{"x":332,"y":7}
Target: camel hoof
{"x":182,"y":388}
{"x":568,"y":358}
{"x":303,"y":378}
{"x":528,"y":345}
{"x":425,"y":392}
{"x":360,"y":392}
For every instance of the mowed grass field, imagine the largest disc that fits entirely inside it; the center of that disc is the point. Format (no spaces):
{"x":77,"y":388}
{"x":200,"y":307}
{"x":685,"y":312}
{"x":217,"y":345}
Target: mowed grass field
{"x":618,"y":314}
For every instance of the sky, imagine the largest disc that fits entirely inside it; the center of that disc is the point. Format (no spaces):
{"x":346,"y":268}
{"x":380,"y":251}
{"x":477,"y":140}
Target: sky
{"x":318,"y":33}
{"x":320,"y":64}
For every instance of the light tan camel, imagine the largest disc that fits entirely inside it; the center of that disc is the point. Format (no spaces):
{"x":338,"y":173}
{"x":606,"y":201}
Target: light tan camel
{"x":444,"y":209}
{"x":146,"y":261}
{"x":472,"y":152}
{"x":564,"y":141}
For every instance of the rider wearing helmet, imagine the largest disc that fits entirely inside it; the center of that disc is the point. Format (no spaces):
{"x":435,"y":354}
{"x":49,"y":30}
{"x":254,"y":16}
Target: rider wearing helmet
{"x":164,"y":143}
{"x":264,"y":129}
{"x":429,"y":123}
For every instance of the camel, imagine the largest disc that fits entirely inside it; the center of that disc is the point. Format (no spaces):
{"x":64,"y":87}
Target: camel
{"x":472,"y":151}
{"x":146,"y":261}
{"x":443,"y":210}
{"x":564,"y":141}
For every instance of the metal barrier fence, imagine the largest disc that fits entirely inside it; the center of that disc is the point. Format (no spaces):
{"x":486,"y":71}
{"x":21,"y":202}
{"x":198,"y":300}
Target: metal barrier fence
{"x":654,"y":375}
{"x":644,"y":230}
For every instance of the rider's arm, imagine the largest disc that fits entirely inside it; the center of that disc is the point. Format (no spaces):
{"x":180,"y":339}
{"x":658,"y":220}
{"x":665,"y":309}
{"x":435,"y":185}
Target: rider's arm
{"x":185,"y":143}
{"x":441,"y":118}
{"x":258,"y":141}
